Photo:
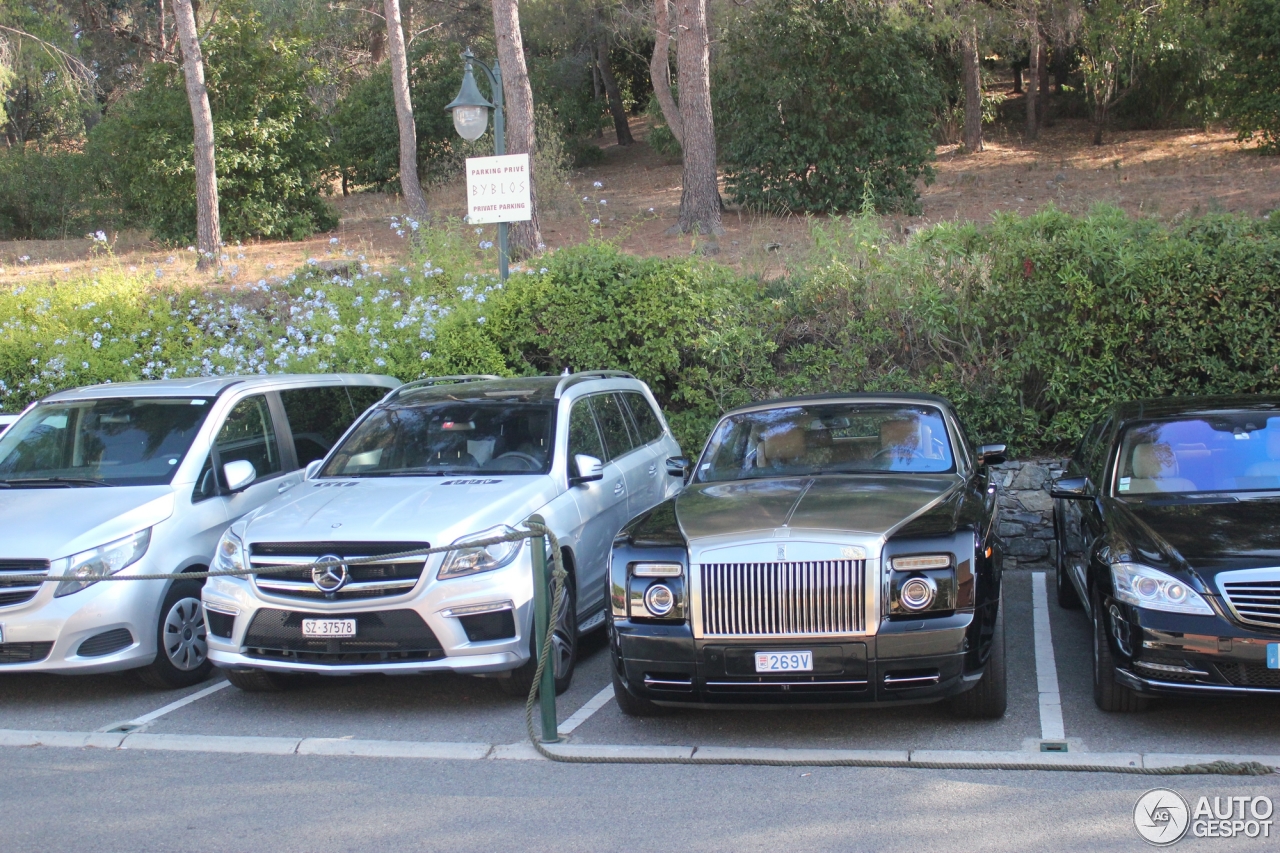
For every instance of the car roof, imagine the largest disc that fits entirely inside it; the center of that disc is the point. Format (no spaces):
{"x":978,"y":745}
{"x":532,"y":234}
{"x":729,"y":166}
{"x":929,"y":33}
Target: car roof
{"x":853,"y":396}
{"x":475,"y":389}
{"x":212,"y":386}
{"x":1166,"y":407}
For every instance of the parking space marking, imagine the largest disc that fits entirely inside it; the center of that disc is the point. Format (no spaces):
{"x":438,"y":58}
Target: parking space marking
{"x":181,"y":703}
{"x":584,"y":713}
{"x":1051,"y":727}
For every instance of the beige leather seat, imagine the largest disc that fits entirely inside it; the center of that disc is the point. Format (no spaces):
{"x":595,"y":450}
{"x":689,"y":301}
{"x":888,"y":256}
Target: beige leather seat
{"x":1155,"y":469}
{"x":783,"y":445}
{"x":900,"y":437}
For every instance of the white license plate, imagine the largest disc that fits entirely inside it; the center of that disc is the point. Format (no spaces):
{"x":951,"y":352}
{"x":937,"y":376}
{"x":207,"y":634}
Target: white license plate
{"x":328,"y":627}
{"x":784,"y":661}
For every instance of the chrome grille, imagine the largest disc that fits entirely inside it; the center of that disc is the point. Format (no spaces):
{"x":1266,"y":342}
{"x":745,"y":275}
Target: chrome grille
{"x":1255,"y":601}
{"x":783,"y":599}
{"x":367,"y":580}
{"x":20,"y":592}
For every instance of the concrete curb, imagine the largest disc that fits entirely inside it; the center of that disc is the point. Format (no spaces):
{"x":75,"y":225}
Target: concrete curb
{"x":523,"y":751}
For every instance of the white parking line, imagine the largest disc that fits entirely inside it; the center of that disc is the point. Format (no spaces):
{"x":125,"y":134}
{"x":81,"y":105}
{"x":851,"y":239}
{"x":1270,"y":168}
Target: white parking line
{"x":584,"y":713}
{"x":181,"y":703}
{"x":1046,"y":669}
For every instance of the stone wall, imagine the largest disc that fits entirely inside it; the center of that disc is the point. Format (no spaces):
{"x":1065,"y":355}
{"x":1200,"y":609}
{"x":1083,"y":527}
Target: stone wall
{"x":1026,"y":511}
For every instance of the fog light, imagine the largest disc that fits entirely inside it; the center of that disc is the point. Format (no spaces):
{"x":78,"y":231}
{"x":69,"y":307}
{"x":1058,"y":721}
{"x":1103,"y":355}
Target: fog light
{"x":918,"y":593}
{"x":659,"y":599}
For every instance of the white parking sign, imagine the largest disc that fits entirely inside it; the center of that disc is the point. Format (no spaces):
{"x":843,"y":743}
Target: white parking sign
{"x":498,"y":189}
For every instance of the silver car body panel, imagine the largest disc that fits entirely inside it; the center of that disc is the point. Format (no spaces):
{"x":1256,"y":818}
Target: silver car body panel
{"x":54,"y":524}
{"x":441,"y":510}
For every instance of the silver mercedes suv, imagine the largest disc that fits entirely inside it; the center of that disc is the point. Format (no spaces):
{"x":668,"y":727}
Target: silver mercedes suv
{"x":143,"y":478}
{"x":441,"y":461}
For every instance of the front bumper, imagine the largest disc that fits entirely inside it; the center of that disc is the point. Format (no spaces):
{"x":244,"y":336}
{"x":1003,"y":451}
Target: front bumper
{"x":110,"y":626}
{"x":1176,"y":654}
{"x":415,"y":632}
{"x":906,"y":662}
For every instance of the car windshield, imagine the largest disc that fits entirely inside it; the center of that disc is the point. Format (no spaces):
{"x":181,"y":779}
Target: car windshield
{"x":447,"y":438}
{"x":118,"y":442}
{"x":828,"y":438}
{"x":1228,"y":452}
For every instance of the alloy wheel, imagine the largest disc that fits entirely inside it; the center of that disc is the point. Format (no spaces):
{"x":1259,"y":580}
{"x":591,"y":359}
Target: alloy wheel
{"x":184,"y":635}
{"x":562,"y":643}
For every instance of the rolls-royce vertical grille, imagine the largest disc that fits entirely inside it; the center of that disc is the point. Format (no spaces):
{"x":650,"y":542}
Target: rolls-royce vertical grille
{"x":783,"y":599}
{"x":20,"y":591}
{"x":1256,"y":602}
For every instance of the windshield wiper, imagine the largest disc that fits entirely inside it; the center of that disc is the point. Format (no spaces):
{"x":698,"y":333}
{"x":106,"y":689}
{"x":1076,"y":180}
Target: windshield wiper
{"x":66,"y":482}
{"x":403,"y":472}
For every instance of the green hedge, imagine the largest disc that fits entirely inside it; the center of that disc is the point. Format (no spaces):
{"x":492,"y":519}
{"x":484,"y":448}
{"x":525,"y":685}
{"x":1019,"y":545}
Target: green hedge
{"x":1030,"y":325}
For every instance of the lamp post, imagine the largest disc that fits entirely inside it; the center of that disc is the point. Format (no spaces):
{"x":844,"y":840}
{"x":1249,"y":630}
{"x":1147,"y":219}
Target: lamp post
{"x":471,"y":118}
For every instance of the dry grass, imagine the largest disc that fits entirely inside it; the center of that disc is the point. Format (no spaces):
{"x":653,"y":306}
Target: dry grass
{"x":1156,"y":173}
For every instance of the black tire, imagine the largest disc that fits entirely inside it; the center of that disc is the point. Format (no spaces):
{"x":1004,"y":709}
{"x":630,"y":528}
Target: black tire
{"x":1109,"y":694}
{"x":989,"y":698}
{"x":1068,"y":598}
{"x":182,"y":650}
{"x":629,"y":703}
{"x":258,"y":680}
{"x":564,"y":652}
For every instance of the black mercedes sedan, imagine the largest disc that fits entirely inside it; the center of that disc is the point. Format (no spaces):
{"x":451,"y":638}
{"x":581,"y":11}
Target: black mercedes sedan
{"x":1167,"y":524}
{"x":827,"y":550}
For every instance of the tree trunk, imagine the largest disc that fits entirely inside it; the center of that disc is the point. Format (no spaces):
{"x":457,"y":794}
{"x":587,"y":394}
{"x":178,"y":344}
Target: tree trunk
{"x":700,"y":196}
{"x":410,"y":186}
{"x":1017,"y":78}
{"x":1100,"y":118}
{"x":970,"y":63}
{"x":619,"y":112}
{"x":660,"y":70}
{"x":1042,"y":100}
{"x":596,"y":92}
{"x":525,"y":237}
{"x":1033,"y":79}
{"x":377,"y":37}
{"x":208,"y":229}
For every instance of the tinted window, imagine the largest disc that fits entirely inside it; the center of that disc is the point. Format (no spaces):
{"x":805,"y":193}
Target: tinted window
{"x":364,"y":396}
{"x":584,"y":438}
{"x":1228,"y":452}
{"x":124,"y":442}
{"x":646,"y":422}
{"x":829,"y":438}
{"x":249,"y":434}
{"x":614,"y":428}
{"x":317,"y":419}
{"x":445,"y":438}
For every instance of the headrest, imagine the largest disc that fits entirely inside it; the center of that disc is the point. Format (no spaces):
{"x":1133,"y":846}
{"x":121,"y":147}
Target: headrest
{"x":903,"y":434}
{"x":1154,"y":462}
{"x":784,"y":444}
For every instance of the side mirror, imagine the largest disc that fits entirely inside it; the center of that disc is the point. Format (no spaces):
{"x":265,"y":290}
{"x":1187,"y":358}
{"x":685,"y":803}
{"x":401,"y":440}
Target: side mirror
{"x":589,"y":470}
{"x":313,"y":468}
{"x":1072,"y":489}
{"x":239,"y":474}
{"x":678,"y":466}
{"x":991,"y":454}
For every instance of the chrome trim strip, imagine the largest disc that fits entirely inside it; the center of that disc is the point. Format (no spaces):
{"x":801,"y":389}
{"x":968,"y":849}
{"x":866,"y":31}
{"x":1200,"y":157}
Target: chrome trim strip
{"x":909,"y":681}
{"x":851,"y":683}
{"x":649,"y":682}
{"x":1136,"y":681}
{"x":308,"y":561}
{"x":1167,"y":667}
{"x":308,"y":586}
{"x":499,"y":607}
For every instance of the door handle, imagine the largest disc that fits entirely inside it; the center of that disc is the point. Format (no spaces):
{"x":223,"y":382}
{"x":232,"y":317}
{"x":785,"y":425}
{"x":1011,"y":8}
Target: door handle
{"x":618,"y":488}
{"x":653,"y":469}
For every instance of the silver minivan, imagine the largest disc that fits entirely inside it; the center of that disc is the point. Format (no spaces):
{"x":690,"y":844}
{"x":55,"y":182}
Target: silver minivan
{"x":144,"y":477}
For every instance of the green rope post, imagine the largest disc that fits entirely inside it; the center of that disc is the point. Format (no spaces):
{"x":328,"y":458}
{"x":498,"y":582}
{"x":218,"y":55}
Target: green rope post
{"x":541,"y":621}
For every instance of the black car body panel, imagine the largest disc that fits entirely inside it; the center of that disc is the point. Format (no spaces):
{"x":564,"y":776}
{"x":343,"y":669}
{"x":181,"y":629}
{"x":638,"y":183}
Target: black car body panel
{"x":899,"y":658}
{"x":1193,"y":537}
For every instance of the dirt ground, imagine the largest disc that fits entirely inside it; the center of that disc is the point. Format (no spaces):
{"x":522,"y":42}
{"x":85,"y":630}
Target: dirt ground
{"x":1153,"y":173}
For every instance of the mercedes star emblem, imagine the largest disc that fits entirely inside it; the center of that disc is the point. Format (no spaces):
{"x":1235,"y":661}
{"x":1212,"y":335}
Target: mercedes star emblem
{"x":330,"y":578}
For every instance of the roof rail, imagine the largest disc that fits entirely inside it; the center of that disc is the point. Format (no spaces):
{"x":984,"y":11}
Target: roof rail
{"x":429,"y":381}
{"x":572,"y":379}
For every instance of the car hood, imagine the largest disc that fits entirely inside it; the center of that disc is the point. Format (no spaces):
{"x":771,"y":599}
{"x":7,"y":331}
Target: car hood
{"x":397,"y":509}
{"x":1209,"y":537}
{"x":873,"y":504}
{"x":47,"y":524}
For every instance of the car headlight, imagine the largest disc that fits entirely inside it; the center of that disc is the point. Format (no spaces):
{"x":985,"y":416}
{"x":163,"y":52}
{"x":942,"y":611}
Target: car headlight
{"x":1143,"y":586}
{"x":483,"y":558}
{"x":229,"y":555}
{"x":105,"y":560}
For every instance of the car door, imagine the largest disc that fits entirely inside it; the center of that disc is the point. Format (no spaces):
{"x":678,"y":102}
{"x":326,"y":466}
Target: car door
{"x":626,"y":451}
{"x":251,"y":432}
{"x":651,"y":489}
{"x":316,"y":419}
{"x":602,"y":506}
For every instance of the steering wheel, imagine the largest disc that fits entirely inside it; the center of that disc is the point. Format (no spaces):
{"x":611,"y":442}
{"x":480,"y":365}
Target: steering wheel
{"x":900,"y":452}
{"x":530,"y":462}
